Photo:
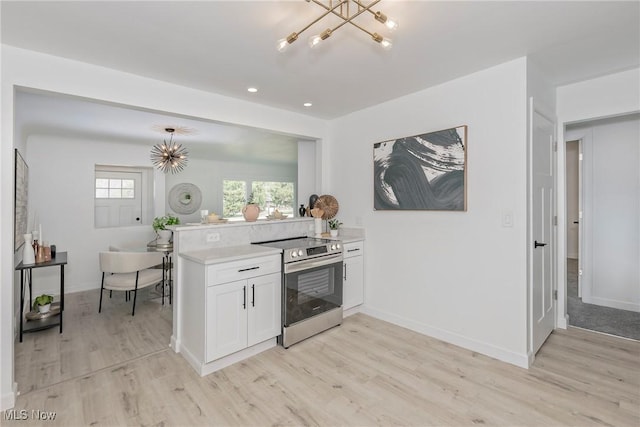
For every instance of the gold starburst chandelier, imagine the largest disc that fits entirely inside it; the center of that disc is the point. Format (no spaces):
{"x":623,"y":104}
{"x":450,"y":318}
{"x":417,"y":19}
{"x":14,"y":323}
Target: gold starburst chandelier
{"x":169,"y":156}
{"x":347,"y":10}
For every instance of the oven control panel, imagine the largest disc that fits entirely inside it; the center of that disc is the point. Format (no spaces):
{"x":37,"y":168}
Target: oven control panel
{"x":312,"y":252}
{"x":299,"y":249}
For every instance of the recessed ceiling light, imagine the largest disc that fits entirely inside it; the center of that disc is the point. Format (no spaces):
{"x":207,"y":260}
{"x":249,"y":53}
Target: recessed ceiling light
{"x":252,"y":89}
{"x":307,"y":104}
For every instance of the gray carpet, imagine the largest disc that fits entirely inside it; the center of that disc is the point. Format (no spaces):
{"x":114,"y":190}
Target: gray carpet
{"x":612,"y":321}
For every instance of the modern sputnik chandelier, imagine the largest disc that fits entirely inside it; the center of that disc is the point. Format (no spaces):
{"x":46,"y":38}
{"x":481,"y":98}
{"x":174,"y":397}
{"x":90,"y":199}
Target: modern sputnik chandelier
{"x":169,"y":156}
{"x":347,"y":10}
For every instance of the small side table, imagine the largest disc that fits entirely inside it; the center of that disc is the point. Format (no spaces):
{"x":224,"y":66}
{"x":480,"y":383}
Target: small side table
{"x":26,"y":274}
{"x":167,"y":264}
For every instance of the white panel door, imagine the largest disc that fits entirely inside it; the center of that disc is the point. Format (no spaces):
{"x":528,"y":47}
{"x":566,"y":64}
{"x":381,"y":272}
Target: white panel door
{"x":226,"y":319}
{"x":119,"y":208}
{"x":542,"y":298}
{"x":264,"y":296}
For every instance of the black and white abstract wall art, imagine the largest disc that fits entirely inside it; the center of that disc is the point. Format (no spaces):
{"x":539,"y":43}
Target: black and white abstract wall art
{"x":21,"y":197}
{"x":421,"y":172}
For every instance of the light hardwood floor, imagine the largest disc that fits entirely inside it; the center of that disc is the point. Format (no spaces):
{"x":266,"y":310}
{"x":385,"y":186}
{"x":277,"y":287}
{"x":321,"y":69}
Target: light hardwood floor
{"x":117,"y":370}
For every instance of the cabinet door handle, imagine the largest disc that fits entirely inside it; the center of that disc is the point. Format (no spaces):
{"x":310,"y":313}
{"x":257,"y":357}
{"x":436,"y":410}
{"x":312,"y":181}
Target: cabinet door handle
{"x":345,"y":271}
{"x":353,"y":250}
{"x":244,"y":297}
{"x":248,"y":269}
{"x":253,"y":295}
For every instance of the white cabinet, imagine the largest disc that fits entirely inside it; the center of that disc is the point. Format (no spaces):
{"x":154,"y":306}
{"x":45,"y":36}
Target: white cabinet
{"x":353,"y":275}
{"x":226,"y":323}
{"x":229,"y":307}
{"x":241,"y":314}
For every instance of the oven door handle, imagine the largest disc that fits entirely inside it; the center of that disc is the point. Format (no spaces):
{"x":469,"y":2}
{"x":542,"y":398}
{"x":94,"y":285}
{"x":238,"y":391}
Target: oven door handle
{"x":312,"y":263}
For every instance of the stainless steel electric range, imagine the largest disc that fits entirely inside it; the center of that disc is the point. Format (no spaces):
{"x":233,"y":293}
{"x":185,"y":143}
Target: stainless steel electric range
{"x":311,"y":286}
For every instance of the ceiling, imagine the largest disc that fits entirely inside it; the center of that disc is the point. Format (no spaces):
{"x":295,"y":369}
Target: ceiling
{"x":227,"y":46}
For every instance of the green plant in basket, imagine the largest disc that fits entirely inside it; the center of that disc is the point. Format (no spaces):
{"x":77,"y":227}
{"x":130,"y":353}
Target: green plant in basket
{"x":160,"y":222}
{"x":42,"y":300}
{"x":334,"y":224}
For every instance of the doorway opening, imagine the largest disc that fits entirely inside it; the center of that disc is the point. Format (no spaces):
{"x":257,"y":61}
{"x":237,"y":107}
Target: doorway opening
{"x":602,"y":199}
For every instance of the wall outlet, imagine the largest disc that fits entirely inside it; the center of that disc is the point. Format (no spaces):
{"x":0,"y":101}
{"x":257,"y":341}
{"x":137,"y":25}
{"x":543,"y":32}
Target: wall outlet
{"x":213,"y":237}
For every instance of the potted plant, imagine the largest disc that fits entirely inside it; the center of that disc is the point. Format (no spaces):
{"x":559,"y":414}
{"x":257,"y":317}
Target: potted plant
{"x":42,"y":303}
{"x":159,"y":226}
{"x":251,"y":210}
{"x":334,"y":225}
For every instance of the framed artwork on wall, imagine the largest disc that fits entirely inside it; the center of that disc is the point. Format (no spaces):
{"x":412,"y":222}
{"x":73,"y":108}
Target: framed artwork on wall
{"x":21,"y":193}
{"x":422,"y":172}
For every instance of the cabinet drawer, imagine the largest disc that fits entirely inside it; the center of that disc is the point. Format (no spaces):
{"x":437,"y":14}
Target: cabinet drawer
{"x":242,"y":269}
{"x":353,"y":249}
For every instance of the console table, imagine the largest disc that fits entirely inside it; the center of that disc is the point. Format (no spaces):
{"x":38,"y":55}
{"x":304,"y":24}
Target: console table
{"x":26,"y":274}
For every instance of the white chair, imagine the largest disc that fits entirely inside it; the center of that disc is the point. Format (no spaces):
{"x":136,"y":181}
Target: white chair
{"x":129,"y":271}
{"x":165,"y":264}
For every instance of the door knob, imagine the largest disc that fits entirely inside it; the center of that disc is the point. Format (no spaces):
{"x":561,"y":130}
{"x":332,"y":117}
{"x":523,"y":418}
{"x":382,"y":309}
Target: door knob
{"x":536,"y":244}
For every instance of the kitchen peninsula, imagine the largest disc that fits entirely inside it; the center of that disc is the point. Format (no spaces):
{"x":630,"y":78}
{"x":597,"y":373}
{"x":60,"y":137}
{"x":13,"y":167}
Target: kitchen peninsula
{"x":227,"y":303}
{"x":196,"y":249}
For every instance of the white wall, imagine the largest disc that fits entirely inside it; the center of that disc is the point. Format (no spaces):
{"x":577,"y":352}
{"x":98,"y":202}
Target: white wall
{"x":307,"y":150}
{"x":61,"y":193}
{"x":458,"y":276}
{"x":611,"y":178}
{"x":612,"y":95}
{"x":34,"y":70}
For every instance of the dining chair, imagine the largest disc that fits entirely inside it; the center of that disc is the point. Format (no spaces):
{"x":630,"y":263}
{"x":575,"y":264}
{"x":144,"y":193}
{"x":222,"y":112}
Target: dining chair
{"x":129,"y":271}
{"x":166,"y":264}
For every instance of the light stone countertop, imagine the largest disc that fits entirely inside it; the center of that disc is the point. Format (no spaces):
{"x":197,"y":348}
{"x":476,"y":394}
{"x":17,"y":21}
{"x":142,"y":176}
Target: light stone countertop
{"x":349,"y":235}
{"x":235,"y":223}
{"x":229,"y":253}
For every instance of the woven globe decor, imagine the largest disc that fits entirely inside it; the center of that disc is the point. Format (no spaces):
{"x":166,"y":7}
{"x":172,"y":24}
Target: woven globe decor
{"x":328,"y":204}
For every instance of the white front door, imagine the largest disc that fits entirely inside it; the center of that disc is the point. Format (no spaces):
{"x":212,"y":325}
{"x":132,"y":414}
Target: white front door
{"x":542,"y":296}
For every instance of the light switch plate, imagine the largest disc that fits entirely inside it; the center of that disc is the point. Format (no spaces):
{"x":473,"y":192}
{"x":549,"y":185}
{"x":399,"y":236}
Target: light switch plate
{"x":507,"y":218}
{"x":213,"y":237}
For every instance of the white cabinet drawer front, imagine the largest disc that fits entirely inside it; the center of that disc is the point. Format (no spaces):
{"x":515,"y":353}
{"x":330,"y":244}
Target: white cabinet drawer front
{"x":243,"y":269}
{"x":353,"y":249}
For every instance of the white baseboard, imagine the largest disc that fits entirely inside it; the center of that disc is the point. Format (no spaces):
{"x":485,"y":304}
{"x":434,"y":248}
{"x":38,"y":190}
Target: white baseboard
{"x":175,"y":344}
{"x":563,"y":322}
{"x":517,"y":359}
{"x":211,"y":367}
{"x":80,"y":288}
{"x":531,"y":357}
{"x":605,"y":302}
{"x":8,"y":400}
{"x":351,"y":311}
